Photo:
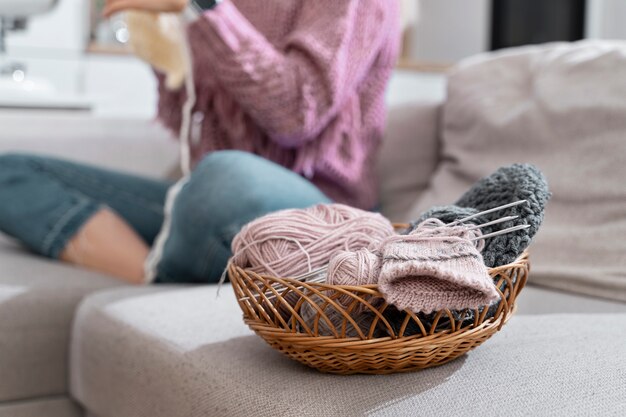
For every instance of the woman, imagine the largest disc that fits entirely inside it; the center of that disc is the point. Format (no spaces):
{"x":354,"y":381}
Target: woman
{"x":289,"y":108}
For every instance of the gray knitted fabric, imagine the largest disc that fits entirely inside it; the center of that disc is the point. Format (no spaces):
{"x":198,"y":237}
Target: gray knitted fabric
{"x":506,"y":185}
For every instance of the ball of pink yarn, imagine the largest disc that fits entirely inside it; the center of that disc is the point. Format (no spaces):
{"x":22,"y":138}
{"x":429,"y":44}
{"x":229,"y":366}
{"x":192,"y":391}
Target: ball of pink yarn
{"x":293,"y":242}
{"x":360,"y":267}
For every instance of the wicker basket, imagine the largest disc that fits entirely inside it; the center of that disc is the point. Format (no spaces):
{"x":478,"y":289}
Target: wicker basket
{"x":273,"y":307}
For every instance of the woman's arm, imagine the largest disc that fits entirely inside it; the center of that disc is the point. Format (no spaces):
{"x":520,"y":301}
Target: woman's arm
{"x":295,"y":91}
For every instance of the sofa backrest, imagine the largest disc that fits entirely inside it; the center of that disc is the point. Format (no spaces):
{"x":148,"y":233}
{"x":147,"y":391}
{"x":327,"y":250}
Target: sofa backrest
{"x":408,"y":156}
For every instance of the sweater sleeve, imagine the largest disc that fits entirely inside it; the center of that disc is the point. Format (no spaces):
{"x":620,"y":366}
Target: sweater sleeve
{"x":294,"y":91}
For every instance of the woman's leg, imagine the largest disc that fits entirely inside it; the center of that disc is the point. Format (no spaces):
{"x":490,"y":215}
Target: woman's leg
{"x":226,"y":190}
{"x":89,"y":216}
{"x":107,"y":243}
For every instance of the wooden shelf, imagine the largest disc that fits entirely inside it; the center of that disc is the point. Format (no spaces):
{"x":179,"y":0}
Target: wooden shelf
{"x":108,"y":49}
{"x":421,"y":66}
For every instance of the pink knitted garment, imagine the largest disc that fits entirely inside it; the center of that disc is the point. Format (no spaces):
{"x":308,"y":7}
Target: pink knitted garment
{"x":299,"y":82}
{"x":435,"y":269}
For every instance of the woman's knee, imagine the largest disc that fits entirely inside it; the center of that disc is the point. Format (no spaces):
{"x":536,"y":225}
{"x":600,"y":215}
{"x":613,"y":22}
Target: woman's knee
{"x":226,"y":164}
{"x":203,"y":209}
{"x":242,"y":178}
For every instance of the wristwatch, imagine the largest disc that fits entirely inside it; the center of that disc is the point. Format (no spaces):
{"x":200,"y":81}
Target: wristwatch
{"x":201,"y":6}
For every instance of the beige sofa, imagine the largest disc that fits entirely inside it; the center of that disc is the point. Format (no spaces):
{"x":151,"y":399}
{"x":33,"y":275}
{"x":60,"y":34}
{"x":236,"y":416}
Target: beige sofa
{"x":76,"y":343}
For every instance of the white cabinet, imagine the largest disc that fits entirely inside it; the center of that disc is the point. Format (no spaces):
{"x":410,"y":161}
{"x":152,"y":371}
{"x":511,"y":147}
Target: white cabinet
{"x":63,"y":31}
{"x":105,"y":85}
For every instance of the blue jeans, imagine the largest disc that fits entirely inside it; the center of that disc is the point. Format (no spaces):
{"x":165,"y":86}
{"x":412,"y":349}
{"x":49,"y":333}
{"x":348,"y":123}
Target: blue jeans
{"x":44,"y":202}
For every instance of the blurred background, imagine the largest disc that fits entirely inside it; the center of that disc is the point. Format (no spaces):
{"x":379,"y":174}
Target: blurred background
{"x":68,"y":58}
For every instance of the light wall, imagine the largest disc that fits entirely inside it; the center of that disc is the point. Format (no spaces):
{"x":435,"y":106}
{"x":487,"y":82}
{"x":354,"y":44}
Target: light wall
{"x":606,"y":19}
{"x":450,"y":30}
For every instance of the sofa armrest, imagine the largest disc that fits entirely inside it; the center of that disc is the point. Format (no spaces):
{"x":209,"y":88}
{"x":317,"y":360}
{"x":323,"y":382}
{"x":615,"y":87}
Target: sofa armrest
{"x":408,"y":157}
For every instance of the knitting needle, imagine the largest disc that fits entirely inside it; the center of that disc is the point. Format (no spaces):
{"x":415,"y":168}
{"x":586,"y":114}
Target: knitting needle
{"x":498,"y":221}
{"x":482,"y":213}
{"x":323,"y":279}
{"x":311,"y":274}
{"x":304,"y":277}
{"x":502,"y":232}
{"x":319,"y":280}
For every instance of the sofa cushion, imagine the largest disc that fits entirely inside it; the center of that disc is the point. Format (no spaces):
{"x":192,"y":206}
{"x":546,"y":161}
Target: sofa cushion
{"x":45,"y":407}
{"x":536,"y":300}
{"x":561,"y":107}
{"x":182,"y":352}
{"x":37,"y":302}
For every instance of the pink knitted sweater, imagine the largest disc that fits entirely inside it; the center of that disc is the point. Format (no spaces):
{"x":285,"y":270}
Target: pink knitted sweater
{"x":299,"y":82}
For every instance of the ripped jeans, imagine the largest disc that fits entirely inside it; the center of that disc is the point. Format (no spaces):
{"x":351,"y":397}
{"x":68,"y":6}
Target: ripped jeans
{"x":44,"y":202}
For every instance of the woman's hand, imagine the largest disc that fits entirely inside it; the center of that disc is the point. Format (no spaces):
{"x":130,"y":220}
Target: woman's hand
{"x":114,"y":6}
